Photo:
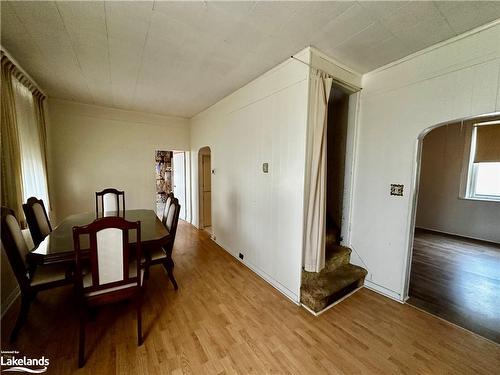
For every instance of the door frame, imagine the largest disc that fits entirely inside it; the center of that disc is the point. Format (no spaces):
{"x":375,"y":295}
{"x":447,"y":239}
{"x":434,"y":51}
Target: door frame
{"x":350,"y":167}
{"x":414,"y":189}
{"x":183,"y":204}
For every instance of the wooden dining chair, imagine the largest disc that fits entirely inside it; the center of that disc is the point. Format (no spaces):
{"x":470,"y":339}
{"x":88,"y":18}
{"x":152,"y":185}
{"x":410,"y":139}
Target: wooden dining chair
{"x":115,"y":272}
{"x":37,"y":218}
{"x":107,"y":202}
{"x":163,"y":255}
{"x":31,"y":279}
{"x":168,"y":202}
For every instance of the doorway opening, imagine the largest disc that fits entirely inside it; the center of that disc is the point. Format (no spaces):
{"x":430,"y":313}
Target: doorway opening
{"x":454,"y":261}
{"x":340,"y":276}
{"x":205,"y":189}
{"x":170,"y":170}
{"x":338,"y":114}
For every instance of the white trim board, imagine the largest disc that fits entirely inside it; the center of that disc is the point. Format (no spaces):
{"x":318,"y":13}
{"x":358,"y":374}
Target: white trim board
{"x":456,"y":234}
{"x":383,"y":291}
{"x":9,"y":301}
{"x":331,"y":305}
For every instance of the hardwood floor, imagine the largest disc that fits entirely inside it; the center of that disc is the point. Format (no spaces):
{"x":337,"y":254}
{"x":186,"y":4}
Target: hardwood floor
{"x":457,"y":279}
{"x":225,"y":319}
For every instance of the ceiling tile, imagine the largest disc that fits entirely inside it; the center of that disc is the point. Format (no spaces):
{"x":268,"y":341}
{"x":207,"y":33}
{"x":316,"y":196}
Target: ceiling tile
{"x":381,"y":10}
{"x":181,"y":57}
{"x":409,"y":15}
{"x":354,"y":20}
{"x":465,"y":15}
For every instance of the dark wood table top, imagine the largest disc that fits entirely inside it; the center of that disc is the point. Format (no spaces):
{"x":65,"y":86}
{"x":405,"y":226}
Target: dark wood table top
{"x":58,"y":245}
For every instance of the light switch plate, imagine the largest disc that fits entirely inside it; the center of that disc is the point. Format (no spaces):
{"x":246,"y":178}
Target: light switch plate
{"x":397,"y":190}
{"x":265,"y":167}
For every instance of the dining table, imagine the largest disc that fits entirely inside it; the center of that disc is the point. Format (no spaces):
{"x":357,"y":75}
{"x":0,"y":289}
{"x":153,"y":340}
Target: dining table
{"x":58,"y":246}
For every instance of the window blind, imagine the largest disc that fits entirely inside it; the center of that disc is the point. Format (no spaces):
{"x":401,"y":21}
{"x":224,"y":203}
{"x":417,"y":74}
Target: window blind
{"x":487,"y":144}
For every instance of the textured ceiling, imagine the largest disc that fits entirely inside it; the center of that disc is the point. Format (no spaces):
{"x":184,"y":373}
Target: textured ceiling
{"x":179,"y":58}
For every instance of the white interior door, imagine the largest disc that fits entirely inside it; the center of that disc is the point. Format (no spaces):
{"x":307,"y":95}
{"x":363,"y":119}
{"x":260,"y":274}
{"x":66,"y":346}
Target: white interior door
{"x":179,"y":181}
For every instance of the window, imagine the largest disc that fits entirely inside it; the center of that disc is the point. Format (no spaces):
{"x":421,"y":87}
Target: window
{"x":32,"y":164}
{"x":484,"y":162}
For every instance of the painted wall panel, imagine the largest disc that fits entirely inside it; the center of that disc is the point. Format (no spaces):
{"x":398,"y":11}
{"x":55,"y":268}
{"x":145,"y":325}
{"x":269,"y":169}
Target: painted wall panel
{"x":92,"y":147}
{"x":446,"y":82}
{"x":255,"y":213}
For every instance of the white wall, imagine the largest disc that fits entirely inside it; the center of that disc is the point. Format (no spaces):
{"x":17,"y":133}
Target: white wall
{"x":93,"y":147}
{"x":452,"y":80}
{"x":440,"y":207}
{"x":257,"y":214}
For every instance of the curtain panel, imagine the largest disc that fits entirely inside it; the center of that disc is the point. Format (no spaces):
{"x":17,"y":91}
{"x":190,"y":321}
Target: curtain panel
{"x":23,"y":139}
{"x":32,"y":158}
{"x":315,"y":220}
{"x":42,"y":131}
{"x":12,"y":188}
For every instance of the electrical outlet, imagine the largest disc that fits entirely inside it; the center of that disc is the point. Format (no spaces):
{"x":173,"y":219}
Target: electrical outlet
{"x":241,"y":256}
{"x":397,"y":190}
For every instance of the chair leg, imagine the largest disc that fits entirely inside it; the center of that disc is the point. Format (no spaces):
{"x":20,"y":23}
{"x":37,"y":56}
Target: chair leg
{"x":139,"y":319}
{"x":23,"y":315}
{"x":81,"y":345}
{"x":169,"y":266}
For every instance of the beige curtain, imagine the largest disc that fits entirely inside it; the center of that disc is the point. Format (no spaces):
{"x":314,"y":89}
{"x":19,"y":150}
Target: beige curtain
{"x":315,"y":231}
{"x":12,"y":190}
{"x":42,"y":130}
{"x":32,"y":155}
{"x":487,"y":144}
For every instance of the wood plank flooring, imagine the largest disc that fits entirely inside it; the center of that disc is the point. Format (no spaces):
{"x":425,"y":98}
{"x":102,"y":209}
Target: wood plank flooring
{"x":226,"y":320}
{"x":457,"y":279}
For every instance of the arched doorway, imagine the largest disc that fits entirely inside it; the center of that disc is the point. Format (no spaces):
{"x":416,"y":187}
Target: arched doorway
{"x":205,"y":189}
{"x":454,"y":252}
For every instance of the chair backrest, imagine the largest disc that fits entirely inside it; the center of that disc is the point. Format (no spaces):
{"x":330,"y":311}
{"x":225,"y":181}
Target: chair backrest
{"x":173,"y":217}
{"x":109,"y":253}
{"x":37,"y":218}
{"x":15,"y":246}
{"x":168,"y":203}
{"x":107,"y":202}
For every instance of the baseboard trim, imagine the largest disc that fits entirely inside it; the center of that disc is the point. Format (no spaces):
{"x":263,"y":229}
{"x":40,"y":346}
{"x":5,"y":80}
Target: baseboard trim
{"x":456,"y":235}
{"x":9,"y":301}
{"x":275,"y":284}
{"x":332,"y":305}
{"x":384,"y":291}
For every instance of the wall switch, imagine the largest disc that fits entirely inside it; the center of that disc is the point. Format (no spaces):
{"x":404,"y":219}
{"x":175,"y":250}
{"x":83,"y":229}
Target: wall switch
{"x":397,"y":190}
{"x":265,"y":167}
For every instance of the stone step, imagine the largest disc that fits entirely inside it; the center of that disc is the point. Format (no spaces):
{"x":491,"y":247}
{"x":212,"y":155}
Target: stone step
{"x":321,"y":289}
